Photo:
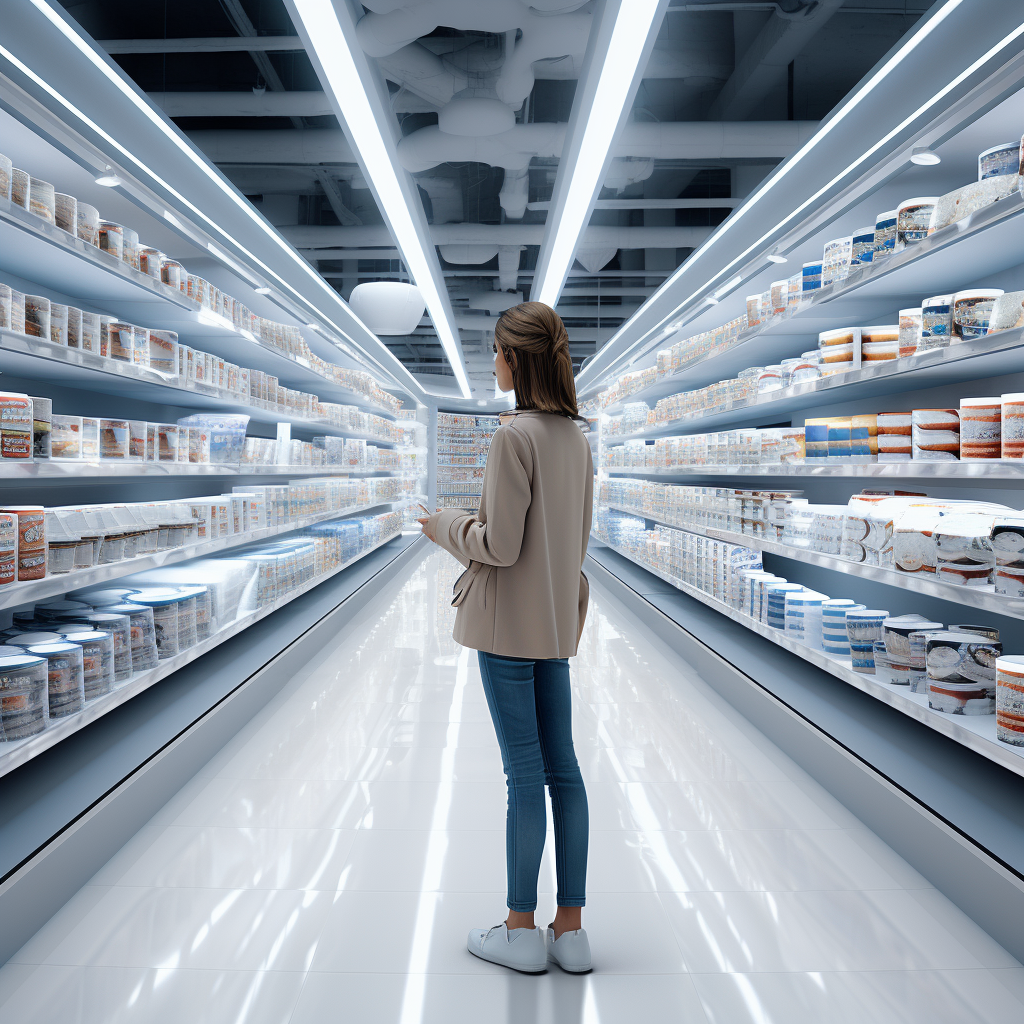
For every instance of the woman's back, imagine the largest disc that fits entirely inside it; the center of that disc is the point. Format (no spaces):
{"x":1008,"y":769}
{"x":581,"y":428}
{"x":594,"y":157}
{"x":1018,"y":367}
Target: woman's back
{"x":524,"y":594}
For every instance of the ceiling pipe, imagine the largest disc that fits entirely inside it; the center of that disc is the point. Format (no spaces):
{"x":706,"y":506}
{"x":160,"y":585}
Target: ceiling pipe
{"x":765,"y":62}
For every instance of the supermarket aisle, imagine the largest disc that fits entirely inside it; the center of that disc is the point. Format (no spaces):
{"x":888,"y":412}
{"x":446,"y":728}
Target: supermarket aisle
{"x":329,"y":862}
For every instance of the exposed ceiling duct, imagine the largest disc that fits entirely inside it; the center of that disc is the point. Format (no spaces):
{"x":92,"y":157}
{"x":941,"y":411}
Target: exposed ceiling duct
{"x":764,"y":63}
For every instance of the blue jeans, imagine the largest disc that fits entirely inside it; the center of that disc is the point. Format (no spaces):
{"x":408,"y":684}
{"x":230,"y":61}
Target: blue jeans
{"x":531,"y":707}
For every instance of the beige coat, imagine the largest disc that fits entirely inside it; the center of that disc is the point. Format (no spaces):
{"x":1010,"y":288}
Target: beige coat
{"x":524,"y":594}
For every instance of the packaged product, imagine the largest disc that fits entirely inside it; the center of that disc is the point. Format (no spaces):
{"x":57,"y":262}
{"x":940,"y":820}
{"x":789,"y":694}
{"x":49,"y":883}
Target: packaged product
{"x":972,"y":313}
{"x":5,"y":176}
{"x":999,"y":160}
{"x":111,"y":237}
{"x":42,"y":415}
{"x":15,"y":426}
{"x":23,"y":695}
{"x":31,"y":540}
{"x":37,"y":316}
{"x":58,"y":323}
{"x":8,"y":548}
{"x":912,"y":219}
{"x":163,"y":352}
{"x":65,"y":437}
{"x":66,"y":212}
{"x":20,"y":187}
{"x":114,"y":439}
{"x":980,"y":433}
{"x":90,"y":438}
{"x":1010,"y":700}
{"x":1007,"y":312}
{"x":41,"y":200}
{"x":88,"y":220}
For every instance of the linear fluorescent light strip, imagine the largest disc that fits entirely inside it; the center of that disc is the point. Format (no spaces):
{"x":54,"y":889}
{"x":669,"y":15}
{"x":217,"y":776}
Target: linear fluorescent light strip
{"x":873,"y":82}
{"x":68,"y":31}
{"x":332,"y":48}
{"x":629,"y":36}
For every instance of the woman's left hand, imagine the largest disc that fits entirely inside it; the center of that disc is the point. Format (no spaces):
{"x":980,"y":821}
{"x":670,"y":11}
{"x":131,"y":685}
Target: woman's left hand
{"x":425,"y":526}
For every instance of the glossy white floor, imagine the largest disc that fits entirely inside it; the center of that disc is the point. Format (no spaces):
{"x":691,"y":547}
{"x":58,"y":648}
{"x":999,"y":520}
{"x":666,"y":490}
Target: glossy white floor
{"x":329,"y":862}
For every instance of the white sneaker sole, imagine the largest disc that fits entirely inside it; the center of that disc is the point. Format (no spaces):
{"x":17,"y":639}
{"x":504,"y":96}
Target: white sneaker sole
{"x":552,"y":959}
{"x":522,"y":968}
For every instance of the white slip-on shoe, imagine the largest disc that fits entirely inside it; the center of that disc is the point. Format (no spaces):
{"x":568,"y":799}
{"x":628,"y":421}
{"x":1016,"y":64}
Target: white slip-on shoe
{"x":522,"y":949}
{"x":571,"y":951}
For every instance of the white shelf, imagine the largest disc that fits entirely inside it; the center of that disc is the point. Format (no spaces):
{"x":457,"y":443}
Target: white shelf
{"x":983,"y":598}
{"x":59,"y":261}
{"x":976,"y":732}
{"x":78,"y":469}
{"x":36,"y":359}
{"x":950,"y":472}
{"x":17,"y":752}
{"x":994,"y":355}
{"x":28,"y":591}
{"x":983,"y":243}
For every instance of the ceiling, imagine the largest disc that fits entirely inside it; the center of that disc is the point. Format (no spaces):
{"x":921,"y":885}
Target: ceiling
{"x":730,"y":90}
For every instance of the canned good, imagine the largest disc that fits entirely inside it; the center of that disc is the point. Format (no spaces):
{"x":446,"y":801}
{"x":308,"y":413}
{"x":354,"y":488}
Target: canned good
{"x":31,"y":540}
{"x":88,"y":220}
{"x":23,"y":695}
{"x":142,"y":632}
{"x":97,"y":658}
{"x":66,"y":676}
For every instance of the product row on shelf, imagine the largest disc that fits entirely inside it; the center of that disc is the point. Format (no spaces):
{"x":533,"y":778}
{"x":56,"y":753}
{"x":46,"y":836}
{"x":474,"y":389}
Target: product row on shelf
{"x":959,"y":669}
{"x":192,"y":370}
{"x":462,"y":445}
{"x":843,"y":351}
{"x":37,"y":542}
{"x":39,"y":317}
{"x":31,"y":432}
{"x":973,"y":544}
{"x":985,"y":430}
{"x":59,"y":657}
{"x":938,"y":321}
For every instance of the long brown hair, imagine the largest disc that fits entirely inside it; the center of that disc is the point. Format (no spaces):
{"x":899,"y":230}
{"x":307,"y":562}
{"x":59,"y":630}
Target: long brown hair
{"x":535,"y":345}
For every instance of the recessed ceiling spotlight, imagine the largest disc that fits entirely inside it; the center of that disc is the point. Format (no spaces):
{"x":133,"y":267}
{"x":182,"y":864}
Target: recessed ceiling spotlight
{"x":777,"y":257}
{"x":263,"y":290}
{"x":711,"y":300}
{"x":923,"y":156}
{"x":108,"y":179}
{"x":481,"y":401}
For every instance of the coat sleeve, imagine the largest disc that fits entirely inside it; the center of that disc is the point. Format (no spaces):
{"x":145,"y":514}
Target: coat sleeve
{"x":507,"y":493}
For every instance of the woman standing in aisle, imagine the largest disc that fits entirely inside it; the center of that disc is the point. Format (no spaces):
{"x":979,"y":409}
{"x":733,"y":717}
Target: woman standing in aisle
{"x":521,"y":604}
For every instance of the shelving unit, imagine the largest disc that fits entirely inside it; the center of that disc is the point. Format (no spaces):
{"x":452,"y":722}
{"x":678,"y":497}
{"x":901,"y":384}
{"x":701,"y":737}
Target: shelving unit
{"x":36,"y":359}
{"x":56,"y":260}
{"x":57,"y":470}
{"x":948,"y":472}
{"x":976,"y":732}
{"x":990,"y":356}
{"x":983,"y":243}
{"x":15,"y":753}
{"x":470,"y":437}
{"x":984,"y":598}
{"x":25,"y":592}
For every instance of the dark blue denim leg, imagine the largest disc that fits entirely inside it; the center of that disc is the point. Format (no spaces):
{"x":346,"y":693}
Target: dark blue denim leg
{"x":565,"y":783}
{"x":509,"y":689}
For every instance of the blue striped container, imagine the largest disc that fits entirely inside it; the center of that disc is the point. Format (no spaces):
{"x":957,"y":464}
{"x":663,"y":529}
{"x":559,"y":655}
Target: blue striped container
{"x":777,"y":592}
{"x":803,"y":616}
{"x":863,"y":657}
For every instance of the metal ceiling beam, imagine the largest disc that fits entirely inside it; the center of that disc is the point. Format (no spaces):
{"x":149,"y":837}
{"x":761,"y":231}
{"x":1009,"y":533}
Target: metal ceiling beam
{"x":244,"y":104}
{"x":203,"y":44}
{"x":763,"y":66}
{"x":597,"y":236}
{"x":666,"y":140}
{"x":652,"y":204}
{"x":334,"y":197}
{"x":247,"y":30}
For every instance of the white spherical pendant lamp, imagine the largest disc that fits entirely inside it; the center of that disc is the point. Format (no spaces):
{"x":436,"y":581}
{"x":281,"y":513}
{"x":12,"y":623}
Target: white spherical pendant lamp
{"x":388,"y":307}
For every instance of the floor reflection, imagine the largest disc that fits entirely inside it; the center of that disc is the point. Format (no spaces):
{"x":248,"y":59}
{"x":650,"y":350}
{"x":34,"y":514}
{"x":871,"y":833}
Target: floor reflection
{"x":328,"y":862}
